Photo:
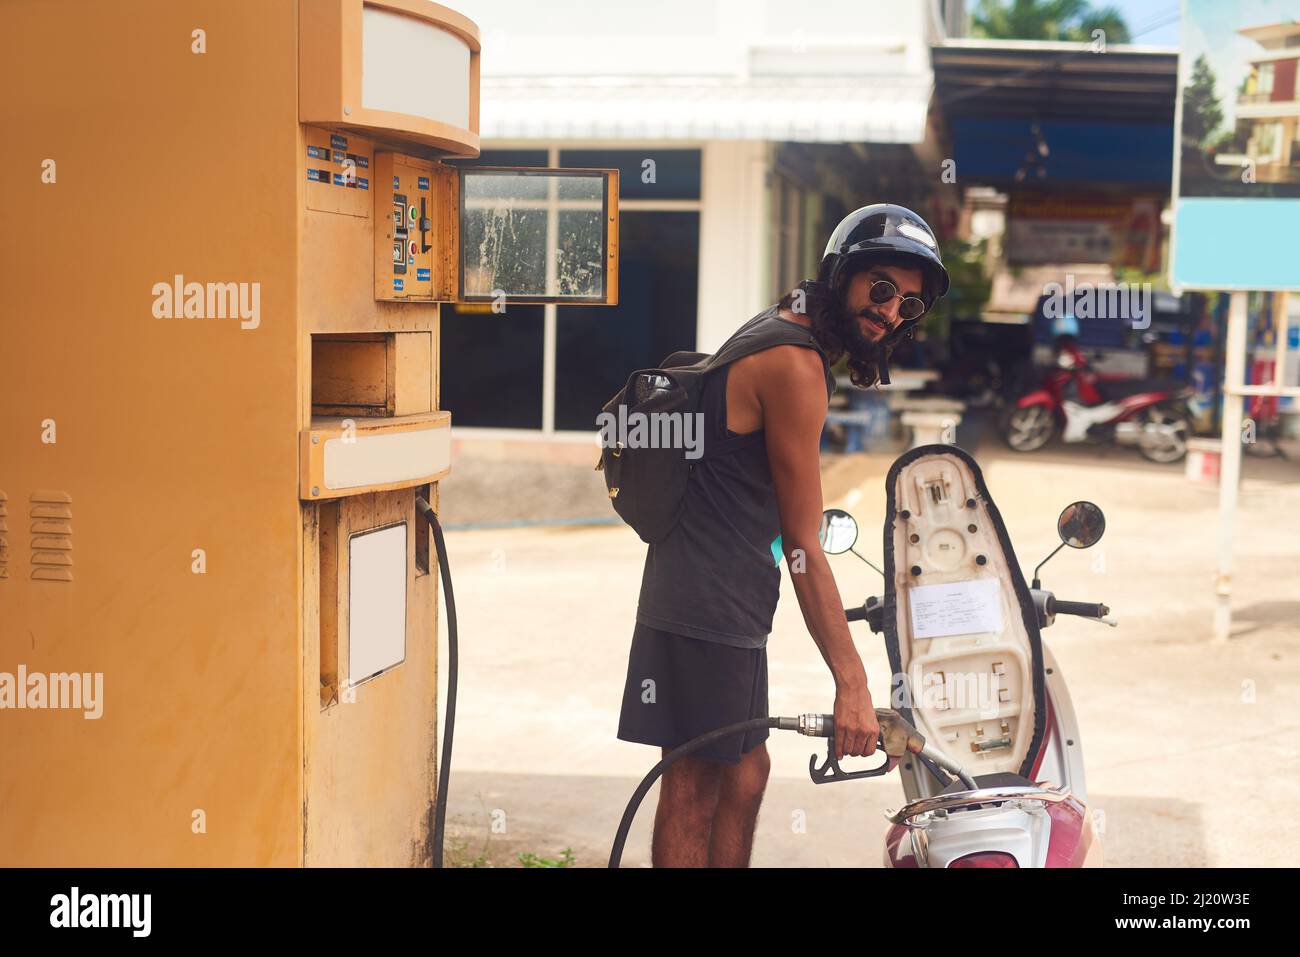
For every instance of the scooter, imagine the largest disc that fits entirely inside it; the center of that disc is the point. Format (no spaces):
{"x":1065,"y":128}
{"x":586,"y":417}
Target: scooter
{"x":1090,"y":407}
{"x":973,"y":675}
{"x":986,"y":739}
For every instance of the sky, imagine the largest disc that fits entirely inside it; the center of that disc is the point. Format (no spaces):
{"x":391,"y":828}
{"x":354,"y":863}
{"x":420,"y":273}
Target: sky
{"x":1153,"y":22}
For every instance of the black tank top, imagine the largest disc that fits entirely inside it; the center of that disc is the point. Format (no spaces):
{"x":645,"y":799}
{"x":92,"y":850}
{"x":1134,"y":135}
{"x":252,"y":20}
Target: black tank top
{"x":717,"y":575}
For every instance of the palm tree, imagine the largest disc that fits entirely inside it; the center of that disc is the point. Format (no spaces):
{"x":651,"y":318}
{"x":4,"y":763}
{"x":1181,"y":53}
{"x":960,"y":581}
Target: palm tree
{"x":1073,"y":20}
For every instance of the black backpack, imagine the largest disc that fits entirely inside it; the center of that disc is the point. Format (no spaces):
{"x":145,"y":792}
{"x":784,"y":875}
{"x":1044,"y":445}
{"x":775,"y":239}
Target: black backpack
{"x":647,"y":484}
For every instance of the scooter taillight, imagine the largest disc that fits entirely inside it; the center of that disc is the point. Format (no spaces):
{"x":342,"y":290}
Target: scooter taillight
{"x":986,"y":859}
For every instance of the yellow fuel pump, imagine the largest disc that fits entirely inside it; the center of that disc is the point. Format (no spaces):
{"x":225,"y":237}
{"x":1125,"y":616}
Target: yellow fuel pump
{"x":227,"y":227}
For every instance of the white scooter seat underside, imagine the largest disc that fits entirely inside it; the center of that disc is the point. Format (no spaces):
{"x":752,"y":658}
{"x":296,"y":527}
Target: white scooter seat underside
{"x":959,"y":621}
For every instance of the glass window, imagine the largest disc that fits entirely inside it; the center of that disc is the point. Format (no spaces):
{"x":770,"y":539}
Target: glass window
{"x":650,"y":173}
{"x":504,"y":158}
{"x":530,"y":235}
{"x":1268,"y":141}
{"x":597,"y":348}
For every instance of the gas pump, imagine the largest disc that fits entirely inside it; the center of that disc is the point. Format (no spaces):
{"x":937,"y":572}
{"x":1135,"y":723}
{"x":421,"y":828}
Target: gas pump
{"x":220,"y":435}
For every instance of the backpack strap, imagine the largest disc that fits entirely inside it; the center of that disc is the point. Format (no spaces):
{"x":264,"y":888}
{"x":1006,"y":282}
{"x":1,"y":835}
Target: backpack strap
{"x":684,"y":359}
{"x":762,"y":332}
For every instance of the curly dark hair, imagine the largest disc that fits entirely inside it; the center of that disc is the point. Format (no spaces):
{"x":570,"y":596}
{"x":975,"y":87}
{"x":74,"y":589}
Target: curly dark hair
{"x":832,"y":326}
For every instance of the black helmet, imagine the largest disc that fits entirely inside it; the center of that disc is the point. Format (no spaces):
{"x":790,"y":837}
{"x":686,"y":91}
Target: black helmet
{"x":884,"y":228}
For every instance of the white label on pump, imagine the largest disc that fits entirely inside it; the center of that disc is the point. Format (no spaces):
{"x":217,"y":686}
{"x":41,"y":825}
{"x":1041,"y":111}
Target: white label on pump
{"x":386,"y":458}
{"x":412,"y":66}
{"x":376,"y":601}
{"x":957,"y":608}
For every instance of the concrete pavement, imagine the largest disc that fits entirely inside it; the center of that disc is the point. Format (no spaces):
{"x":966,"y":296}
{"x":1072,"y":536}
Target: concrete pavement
{"x":1192,"y":750}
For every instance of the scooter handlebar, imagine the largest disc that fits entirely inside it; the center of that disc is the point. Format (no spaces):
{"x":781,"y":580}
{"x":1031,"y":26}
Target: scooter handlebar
{"x":869,"y":611}
{"x":1083,"y":609}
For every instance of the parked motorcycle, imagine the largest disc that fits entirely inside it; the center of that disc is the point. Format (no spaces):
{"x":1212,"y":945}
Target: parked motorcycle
{"x":1090,"y":407}
{"x":980,"y":727}
{"x":973,"y":676}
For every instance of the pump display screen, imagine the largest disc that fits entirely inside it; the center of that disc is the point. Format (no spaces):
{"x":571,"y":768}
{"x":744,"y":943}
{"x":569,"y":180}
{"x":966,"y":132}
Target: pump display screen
{"x":535,"y":235}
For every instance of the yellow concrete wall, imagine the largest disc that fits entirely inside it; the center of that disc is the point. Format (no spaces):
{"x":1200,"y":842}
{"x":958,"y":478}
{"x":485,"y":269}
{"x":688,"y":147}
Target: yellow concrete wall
{"x":177,"y":434}
{"x":172,"y":434}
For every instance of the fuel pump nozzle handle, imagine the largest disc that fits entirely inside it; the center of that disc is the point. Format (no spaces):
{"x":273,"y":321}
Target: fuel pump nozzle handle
{"x":897,"y":739}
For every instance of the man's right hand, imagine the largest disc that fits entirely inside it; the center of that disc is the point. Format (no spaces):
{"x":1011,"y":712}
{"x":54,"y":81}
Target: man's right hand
{"x":856,"y":726}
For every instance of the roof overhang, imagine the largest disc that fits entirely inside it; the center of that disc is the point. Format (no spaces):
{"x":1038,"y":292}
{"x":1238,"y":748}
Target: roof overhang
{"x":1048,"y":115}
{"x":789,"y":108}
{"x":1271,"y":31}
{"x":1046,"y":80}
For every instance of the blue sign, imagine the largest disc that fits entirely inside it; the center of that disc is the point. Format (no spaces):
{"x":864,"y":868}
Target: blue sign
{"x":1236,"y":179}
{"x":338,"y":142}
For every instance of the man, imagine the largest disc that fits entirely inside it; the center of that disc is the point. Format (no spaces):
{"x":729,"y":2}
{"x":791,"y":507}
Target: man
{"x":709,"y":590}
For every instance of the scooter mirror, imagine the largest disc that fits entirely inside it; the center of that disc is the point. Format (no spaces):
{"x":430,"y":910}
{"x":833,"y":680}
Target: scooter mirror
{"x":838,"y":532}
{"x":1081,"y":525}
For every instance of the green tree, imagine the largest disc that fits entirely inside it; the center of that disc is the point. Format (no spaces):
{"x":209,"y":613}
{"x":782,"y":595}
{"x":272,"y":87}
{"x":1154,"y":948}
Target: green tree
{"x":1230,"y":141}
{"x":969,"y":290}
{"x":1202,"y":113}
{"x":1073,"y":20}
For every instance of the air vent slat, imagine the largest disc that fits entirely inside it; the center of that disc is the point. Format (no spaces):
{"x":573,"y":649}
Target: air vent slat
{"x":51,"y":529}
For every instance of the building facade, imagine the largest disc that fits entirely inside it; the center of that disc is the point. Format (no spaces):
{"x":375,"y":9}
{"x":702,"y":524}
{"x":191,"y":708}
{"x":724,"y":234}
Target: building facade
{"x":1268,"y":104}
{"x":743,"y":131}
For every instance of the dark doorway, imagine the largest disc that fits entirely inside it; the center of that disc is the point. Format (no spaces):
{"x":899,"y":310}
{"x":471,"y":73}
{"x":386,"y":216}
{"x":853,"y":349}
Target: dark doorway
{"x":598,"y":348}
{"x":492,"y":366}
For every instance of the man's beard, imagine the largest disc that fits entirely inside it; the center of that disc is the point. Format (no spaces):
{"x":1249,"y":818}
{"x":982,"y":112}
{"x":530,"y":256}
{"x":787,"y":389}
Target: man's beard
{"x":856,"y":343}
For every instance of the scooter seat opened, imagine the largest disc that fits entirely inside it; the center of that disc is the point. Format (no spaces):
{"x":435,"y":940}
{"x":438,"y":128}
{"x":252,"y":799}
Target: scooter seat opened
{"x":959,"y":622}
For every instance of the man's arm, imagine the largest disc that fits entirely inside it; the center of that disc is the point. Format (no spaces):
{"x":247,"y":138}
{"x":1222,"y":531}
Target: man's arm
{"x":791,"y":388}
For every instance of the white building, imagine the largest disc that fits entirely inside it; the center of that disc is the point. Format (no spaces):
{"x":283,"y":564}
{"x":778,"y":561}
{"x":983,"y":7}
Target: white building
{"x":743,"y":129}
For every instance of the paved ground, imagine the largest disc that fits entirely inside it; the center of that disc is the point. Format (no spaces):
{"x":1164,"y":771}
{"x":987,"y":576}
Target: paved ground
{"x":1192,"y":749}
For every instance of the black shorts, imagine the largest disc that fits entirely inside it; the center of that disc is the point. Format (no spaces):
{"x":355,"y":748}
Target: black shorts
{"x":698,"y":686}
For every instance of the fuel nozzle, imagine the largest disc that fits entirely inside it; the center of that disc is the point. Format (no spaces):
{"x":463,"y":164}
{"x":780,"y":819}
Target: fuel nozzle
{"x":897,"y":737}
{"x":813,"y":725}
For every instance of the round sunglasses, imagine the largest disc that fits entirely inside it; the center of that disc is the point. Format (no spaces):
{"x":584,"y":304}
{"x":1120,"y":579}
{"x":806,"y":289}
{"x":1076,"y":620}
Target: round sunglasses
{"x":909,"y":310}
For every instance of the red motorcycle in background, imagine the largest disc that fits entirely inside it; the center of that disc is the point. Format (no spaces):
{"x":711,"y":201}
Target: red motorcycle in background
{"x":1091,"y":407}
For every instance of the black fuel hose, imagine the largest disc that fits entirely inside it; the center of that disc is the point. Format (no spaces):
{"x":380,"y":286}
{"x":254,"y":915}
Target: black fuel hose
{"x":444,"y":765}
{"x":826,"y":728}
{"x":671,"y":758}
